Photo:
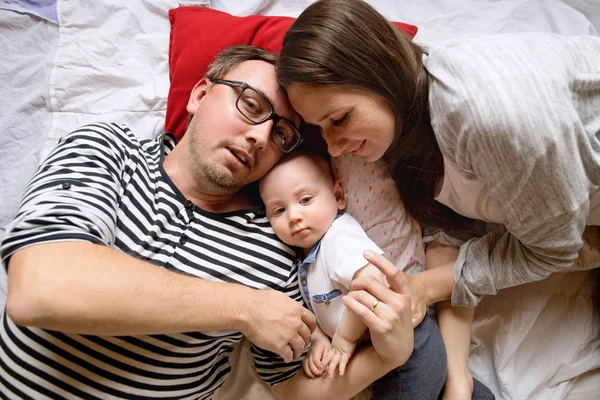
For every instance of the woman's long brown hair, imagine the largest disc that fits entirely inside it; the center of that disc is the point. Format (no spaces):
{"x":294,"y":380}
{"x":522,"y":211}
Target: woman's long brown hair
{"x":348,"y":44}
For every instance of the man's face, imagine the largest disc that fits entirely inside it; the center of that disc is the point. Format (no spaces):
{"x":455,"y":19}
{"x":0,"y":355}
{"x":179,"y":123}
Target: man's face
{"x":226,"y":152}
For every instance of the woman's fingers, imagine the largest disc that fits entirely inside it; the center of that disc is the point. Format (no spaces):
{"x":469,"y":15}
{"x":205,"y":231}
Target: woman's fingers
{"x":355,"y":302}
{"x":378,"y":291}
{"x":395,"y":277}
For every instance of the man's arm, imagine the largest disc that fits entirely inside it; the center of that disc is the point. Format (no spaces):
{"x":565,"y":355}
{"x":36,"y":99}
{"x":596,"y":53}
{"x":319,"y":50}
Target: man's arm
{"x":364,"y":368}
{"x":60,"y":280}
{"x":79,"y":287}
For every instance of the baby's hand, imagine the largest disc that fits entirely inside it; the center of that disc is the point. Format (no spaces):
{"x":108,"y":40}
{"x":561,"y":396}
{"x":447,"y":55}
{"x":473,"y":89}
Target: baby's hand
{"x":315,"y":362}
{"x":340,"y":353}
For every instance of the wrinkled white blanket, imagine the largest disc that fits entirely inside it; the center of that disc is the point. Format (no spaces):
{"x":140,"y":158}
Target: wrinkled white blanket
{"x":108,"y":60}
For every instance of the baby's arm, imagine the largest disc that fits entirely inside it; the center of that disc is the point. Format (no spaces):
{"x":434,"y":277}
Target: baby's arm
{"x":315,"y":362}
{"x":349,"y":329}
{"x":455,"y":326}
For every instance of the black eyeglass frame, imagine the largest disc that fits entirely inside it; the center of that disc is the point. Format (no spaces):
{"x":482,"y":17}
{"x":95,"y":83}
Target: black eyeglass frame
{"x":272,"y":115}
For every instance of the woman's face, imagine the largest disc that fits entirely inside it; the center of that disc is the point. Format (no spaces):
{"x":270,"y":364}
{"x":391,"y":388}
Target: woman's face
{"x":351,"y":120}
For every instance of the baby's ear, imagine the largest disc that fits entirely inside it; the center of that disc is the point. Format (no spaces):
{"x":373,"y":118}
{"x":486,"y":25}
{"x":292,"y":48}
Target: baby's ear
{"x":338,"y":190}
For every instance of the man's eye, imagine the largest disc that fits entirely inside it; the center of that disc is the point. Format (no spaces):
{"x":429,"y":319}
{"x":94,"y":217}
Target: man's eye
{"x":340,"y":121}
{"x":281,"y":136}
{"x":250,"y":105}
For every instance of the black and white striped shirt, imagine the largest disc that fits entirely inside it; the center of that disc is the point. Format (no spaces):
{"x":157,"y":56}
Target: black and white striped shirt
{"x":103,"y":185}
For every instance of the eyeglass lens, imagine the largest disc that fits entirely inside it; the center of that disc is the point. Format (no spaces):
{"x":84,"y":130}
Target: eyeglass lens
{"x":256,"y":108}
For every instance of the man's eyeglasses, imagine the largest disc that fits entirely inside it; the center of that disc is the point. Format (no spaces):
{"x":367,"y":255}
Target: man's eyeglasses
{"x":257,"y":109}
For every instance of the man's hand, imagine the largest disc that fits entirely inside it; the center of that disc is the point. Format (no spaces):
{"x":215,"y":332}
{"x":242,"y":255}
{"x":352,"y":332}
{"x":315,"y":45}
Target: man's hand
{"x":276,"y":323}
{"x":411,"y":286}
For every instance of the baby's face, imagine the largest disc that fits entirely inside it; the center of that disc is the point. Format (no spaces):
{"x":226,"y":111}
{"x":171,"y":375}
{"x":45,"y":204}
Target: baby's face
{"x":301,"y":201}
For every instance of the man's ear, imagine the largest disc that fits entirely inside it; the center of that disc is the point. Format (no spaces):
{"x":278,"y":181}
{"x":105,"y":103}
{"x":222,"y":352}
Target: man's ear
{"x":338,"y":190}
{"x":197,"y":94}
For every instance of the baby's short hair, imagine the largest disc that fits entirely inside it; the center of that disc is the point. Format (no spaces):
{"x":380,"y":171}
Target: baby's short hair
{"x":321,"y":160}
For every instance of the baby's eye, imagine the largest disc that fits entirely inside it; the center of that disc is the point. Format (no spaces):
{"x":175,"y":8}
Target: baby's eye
{"x":278,"y":211}
{"x":305,"y":199}
{"x":340,"y":121}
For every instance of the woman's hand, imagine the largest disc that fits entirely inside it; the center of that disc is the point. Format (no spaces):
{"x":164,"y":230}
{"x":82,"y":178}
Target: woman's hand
{"x":385,"y":311}
{"x":411,"y":285}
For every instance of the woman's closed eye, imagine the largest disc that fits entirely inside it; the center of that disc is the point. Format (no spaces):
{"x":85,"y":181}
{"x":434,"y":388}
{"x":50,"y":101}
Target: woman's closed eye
{"x":341,"y":120}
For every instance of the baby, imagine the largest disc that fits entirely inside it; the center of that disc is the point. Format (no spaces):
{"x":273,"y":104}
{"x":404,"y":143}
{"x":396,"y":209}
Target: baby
{"x":304,"y":204}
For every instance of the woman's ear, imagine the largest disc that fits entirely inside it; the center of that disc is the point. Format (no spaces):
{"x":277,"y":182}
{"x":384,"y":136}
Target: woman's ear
{"x":197,"y":94}
{"x":338,"y":190}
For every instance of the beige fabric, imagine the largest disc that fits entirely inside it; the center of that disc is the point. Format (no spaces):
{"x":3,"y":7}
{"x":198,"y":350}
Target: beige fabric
{"x":243,"y":382}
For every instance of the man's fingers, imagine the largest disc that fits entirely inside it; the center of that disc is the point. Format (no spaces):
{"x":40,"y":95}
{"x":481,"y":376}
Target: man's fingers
{"x":287,"y":354}
{"x":297,"y":345}
{"x":395,"y":277}
{"x":304,"y":332}
{"x":310,"y":320}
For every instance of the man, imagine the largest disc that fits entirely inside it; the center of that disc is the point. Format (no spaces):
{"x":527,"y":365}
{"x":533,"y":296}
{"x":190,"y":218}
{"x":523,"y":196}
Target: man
{"x":113,"y":234}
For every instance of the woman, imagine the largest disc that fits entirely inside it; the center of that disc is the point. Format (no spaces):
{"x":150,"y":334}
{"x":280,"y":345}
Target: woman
{"x":502,"y":129}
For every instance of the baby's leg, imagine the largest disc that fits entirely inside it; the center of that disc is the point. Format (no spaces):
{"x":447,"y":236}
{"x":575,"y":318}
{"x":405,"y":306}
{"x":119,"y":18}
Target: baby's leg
{"x":422,"y":376}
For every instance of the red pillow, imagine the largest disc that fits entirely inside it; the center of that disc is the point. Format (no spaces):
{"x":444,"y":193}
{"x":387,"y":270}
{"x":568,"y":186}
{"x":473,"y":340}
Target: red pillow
{"x":198,"y":34}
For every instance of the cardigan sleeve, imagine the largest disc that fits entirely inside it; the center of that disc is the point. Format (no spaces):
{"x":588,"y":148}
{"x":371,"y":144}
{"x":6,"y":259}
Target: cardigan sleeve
{"x":518,"y":112}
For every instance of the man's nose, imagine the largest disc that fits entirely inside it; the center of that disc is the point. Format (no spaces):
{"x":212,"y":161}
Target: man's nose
{"x":260,"y":134}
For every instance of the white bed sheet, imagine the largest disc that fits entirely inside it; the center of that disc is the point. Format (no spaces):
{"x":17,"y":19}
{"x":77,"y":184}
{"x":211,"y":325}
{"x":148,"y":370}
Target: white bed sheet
{"x":109,"y":61}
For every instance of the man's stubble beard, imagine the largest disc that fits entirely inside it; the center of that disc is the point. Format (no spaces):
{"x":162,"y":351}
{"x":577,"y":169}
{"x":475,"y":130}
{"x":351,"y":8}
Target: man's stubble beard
{"x":208,"y":173}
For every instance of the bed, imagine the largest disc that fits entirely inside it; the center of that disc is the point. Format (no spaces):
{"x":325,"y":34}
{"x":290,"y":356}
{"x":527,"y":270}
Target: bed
{"x":66,"y":63}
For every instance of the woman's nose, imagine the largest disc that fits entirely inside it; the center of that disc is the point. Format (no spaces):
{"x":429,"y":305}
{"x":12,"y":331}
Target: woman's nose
{"x":335,"y":146}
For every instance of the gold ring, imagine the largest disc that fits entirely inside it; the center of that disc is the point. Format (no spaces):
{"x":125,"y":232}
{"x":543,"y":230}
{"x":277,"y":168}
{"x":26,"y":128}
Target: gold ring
{"x":375,"y":304}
